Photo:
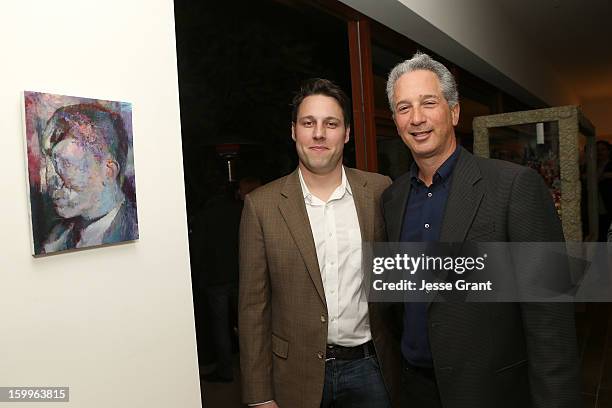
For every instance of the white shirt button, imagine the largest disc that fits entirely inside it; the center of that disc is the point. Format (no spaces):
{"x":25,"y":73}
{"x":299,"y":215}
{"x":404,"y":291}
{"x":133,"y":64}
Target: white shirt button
{"x":429,"y":194}
{"x":426,"y":225}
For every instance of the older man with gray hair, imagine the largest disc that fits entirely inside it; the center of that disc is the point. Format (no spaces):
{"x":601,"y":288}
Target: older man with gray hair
{"x":461,"y":354}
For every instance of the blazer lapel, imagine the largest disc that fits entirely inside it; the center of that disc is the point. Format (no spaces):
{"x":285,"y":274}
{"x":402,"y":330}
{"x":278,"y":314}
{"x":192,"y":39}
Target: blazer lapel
{"x":364,"y":204}
{"x":293,"y":211}
{"x":395,"y":207}
{"x":463,"y":201}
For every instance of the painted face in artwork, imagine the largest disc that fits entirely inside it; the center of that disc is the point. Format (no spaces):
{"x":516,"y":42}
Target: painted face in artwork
{"x":320,"y":134}
{"x":76,"y":179}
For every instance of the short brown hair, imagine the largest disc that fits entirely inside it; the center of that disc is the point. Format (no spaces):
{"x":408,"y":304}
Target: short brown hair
{"x":320,"y":86}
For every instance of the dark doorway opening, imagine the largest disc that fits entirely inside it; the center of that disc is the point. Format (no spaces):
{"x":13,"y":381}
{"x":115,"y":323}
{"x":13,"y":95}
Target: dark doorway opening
{"x":239,"y":64}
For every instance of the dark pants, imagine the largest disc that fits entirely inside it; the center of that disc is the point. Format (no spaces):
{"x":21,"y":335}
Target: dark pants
{"x":354,"y":384}
{"x":419,"y":388}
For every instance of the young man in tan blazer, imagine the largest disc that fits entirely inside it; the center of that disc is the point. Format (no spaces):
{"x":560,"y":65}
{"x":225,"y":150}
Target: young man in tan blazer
{"x":308,"y":338}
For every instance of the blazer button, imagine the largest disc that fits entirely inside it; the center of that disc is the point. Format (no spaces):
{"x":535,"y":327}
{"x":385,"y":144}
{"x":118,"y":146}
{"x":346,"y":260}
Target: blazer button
{"x":323,"y":319}
{"x":320,"y":355}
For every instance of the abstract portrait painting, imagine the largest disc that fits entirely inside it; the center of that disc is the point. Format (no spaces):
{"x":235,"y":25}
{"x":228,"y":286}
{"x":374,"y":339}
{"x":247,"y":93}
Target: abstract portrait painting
{"x":80,"y":172}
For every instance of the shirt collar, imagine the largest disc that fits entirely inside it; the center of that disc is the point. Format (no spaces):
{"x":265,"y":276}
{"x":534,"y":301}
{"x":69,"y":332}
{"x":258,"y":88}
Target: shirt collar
{"x":343,"y":188}
{"x":442,"y":174}
{"x":93,"y":234}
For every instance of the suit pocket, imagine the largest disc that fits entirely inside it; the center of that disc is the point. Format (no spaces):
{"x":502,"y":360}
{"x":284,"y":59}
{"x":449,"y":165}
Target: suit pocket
{"x":517,"y":364}
{"x":479,"y":231}
{"x":280,"y":347}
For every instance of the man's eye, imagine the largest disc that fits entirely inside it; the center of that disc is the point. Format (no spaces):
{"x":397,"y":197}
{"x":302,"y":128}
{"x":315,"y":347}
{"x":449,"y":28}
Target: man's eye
{"x":402,"y":108}
{"x":332,"y":125}
{"x":307,"y":123}
{"x":429,"y":103}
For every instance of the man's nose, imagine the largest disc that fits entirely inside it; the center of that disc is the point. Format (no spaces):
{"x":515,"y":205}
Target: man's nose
{"x":53,"y":178}
{"x":319,"y":131}
{"x":417,"y":117}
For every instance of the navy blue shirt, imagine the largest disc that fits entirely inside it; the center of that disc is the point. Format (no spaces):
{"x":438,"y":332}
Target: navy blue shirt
{"x":423,"y":223}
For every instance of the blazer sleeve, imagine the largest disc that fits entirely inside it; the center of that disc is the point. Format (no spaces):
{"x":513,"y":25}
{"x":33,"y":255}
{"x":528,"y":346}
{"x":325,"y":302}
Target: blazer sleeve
{"x":254,"y":310}
{"x":549,"y":327}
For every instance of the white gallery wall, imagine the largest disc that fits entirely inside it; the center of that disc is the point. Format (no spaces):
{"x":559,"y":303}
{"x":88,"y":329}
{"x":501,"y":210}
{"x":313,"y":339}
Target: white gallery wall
{"x":115,"y":324}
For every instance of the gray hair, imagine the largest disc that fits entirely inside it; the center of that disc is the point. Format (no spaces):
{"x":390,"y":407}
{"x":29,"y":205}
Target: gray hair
{"x":422,"y":61}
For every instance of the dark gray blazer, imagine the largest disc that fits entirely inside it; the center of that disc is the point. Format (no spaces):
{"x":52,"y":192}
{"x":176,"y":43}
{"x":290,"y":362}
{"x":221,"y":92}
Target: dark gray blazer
{"x":497,"y":354}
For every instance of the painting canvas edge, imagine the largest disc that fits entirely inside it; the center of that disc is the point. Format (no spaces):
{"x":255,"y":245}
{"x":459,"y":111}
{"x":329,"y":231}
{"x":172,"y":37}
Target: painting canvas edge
{"x":24,"y":133}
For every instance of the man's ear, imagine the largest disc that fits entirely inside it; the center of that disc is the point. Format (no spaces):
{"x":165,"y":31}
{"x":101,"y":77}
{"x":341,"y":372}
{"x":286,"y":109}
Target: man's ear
{"x":293,"y":131}
{"x":455,"y":114}
{"x":112,"y":169}
{"x":346,"y":136}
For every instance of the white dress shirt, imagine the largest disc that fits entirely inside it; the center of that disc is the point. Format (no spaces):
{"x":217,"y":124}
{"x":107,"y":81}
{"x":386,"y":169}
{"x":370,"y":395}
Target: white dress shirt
{"x":337,"y":237}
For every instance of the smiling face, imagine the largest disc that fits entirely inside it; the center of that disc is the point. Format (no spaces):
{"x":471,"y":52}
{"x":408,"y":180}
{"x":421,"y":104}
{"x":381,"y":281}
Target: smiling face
{"x":320,"y":134}
{"x":423,"y":117}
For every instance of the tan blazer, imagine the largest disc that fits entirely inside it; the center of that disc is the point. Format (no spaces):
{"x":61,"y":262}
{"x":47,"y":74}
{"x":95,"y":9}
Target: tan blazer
{"x":282,"y":309}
